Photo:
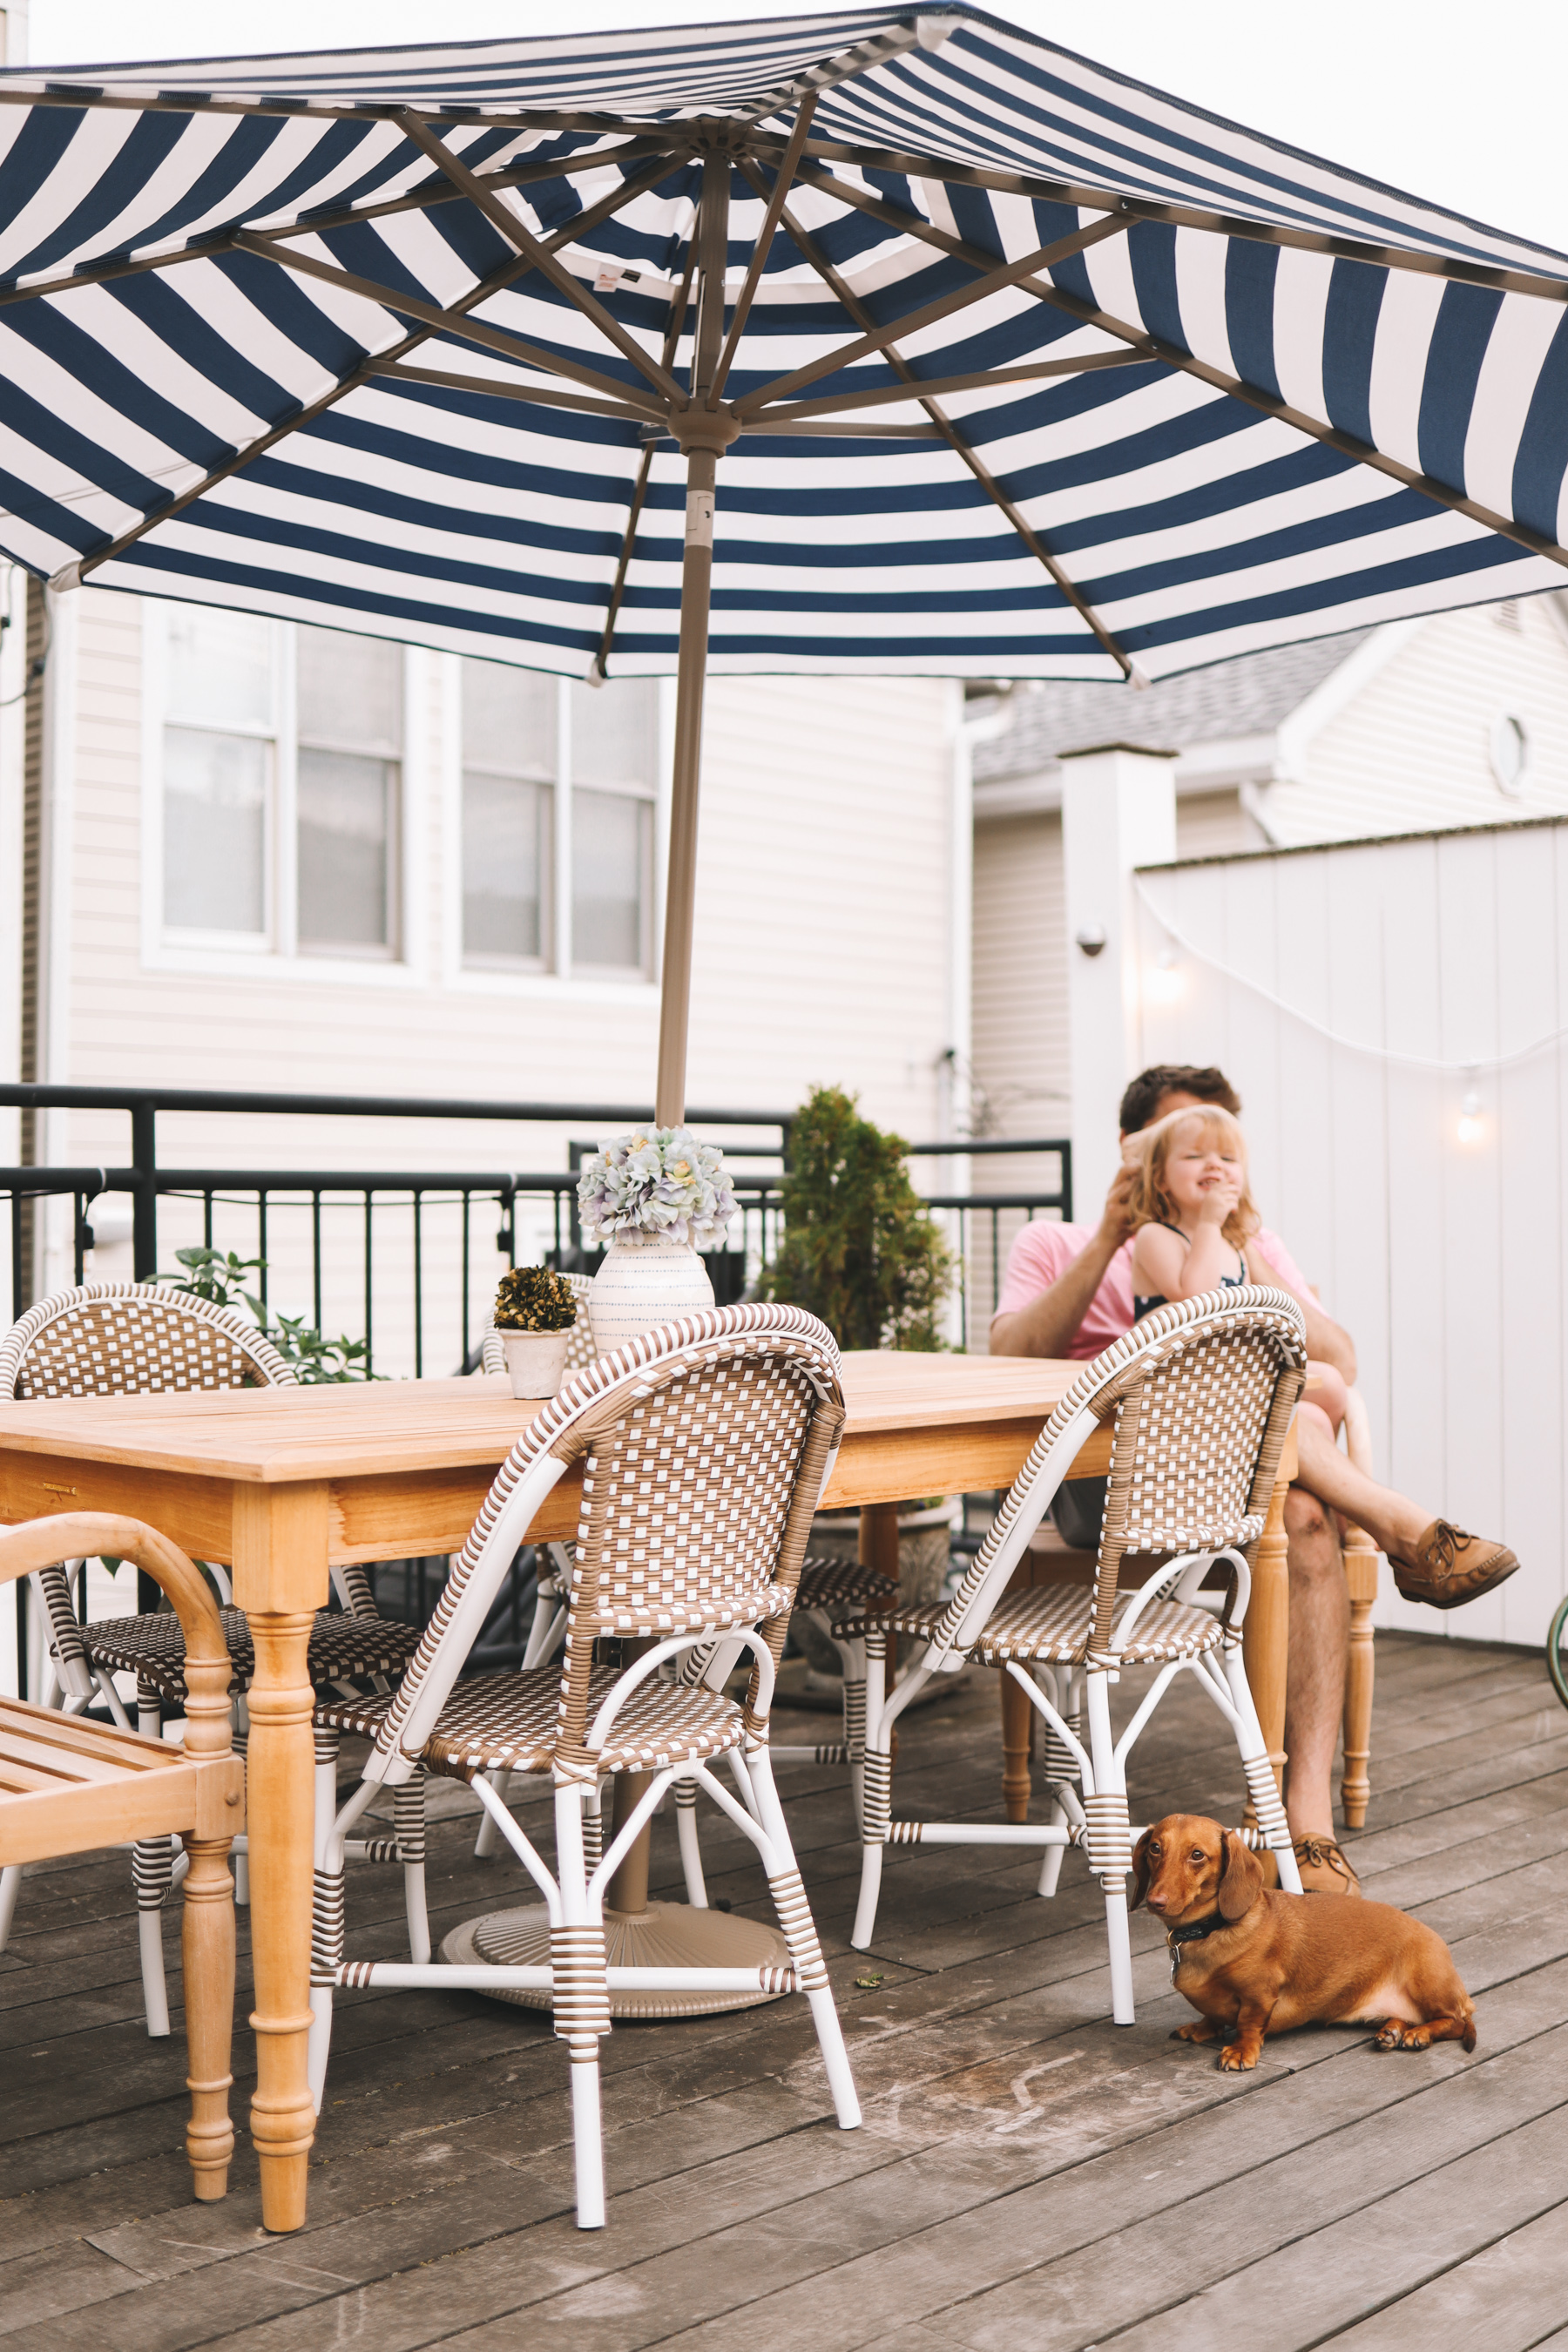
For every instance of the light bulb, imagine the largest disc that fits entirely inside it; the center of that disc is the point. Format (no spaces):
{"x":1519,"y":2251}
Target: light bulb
{"x":1165,"y":980}
{"x":1472,"y":1127}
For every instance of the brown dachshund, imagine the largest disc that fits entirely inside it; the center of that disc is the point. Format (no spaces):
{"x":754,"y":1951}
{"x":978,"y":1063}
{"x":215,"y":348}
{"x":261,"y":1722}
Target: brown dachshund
{"x":1261,"y":1962}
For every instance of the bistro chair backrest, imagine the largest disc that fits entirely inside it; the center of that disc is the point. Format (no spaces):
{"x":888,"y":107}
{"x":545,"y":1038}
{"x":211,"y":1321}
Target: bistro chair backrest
{"x":123,"y":1339}
{"x":704,"y":1446}
{"x":1201,"y":1393}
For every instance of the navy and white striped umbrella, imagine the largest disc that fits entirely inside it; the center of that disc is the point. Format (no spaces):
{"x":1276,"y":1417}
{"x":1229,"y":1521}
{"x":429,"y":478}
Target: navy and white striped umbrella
{"x":1003,"y":364}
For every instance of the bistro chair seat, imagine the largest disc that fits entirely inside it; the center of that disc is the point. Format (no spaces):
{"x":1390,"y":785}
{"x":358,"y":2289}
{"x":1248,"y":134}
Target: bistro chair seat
{"x":70,"y":1787}
{"x":119,"y":1339}
{"x":1199,"y":1396}
{"x":508,"y":1722}
{"x":703,"y":1446}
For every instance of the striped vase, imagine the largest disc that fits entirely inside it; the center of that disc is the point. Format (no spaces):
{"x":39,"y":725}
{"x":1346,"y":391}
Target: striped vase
{"x":645,"y":1279}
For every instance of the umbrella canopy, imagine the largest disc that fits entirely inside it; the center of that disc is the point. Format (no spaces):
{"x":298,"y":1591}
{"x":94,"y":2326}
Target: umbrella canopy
{"x":1001,"y":363}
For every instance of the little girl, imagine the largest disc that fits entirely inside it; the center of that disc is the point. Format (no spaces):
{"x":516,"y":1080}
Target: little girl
{"x":1196,"y":1222}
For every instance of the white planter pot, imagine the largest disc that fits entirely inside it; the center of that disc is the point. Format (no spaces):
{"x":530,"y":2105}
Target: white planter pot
{"x":535,"y":1361}
{"x":646,"y":1280}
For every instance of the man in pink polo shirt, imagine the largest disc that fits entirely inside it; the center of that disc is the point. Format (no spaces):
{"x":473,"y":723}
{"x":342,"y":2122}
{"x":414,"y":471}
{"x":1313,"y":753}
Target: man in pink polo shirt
{"x":1068,"y":1292}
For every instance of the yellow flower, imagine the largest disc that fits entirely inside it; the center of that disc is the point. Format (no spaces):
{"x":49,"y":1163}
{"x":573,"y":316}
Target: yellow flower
{"x":681,"y":1169}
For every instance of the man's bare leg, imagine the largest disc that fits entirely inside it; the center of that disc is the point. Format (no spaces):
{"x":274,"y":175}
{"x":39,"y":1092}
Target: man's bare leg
{"x":1320,"y":1652}
{"x":1393,"y":1523}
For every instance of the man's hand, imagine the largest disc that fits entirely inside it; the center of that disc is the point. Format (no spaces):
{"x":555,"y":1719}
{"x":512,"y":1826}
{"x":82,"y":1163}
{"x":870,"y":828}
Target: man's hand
{"x":1116,"y":1217}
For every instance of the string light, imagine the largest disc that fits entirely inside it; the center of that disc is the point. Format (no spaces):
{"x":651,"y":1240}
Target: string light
{"x":1472,"y":1127}
{"x":1165,"y":980}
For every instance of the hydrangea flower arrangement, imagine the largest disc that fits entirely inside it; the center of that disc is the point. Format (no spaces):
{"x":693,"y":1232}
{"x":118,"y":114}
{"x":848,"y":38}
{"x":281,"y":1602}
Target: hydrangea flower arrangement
{"x":657,"y":1180}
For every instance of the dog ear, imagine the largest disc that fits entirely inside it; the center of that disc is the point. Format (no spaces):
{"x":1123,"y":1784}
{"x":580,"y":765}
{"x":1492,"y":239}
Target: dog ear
{"x":1241,"y":1876}
{"x":1140,"y":1870}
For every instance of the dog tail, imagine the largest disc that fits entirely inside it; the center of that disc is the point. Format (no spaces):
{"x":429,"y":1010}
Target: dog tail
{"x":1468,"y":2039}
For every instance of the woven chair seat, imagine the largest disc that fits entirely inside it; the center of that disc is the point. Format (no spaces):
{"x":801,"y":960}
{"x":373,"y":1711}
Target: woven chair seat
{"x":510,"y":1722}
{"x":1051,"y":1626}
{"x":153,"y":1648}
{"x":828,"y":1583}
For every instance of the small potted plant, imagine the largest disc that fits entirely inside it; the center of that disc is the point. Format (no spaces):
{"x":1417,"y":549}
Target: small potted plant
{"x":534,"y":1312}
{"x":656,"y":1197}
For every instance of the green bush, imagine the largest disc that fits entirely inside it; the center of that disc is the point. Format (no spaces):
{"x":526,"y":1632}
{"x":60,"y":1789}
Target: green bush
{"x":859,"y":1248}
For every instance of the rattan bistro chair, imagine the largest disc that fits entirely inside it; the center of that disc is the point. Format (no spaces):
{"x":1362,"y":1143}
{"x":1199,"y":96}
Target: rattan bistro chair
{"x":704,"y":1445}
{"x":119,"y":1339}
{"x":1200,"y":1395}
{"x":69,"y":1787}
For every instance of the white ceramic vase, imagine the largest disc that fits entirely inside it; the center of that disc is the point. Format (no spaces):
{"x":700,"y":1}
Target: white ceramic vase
{"x":646,"y":1279}
{"x":535,"y":1361}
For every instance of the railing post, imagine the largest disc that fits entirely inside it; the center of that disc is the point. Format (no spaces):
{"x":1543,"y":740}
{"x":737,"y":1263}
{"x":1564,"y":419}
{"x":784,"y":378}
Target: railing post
{"x":145,"y":1200}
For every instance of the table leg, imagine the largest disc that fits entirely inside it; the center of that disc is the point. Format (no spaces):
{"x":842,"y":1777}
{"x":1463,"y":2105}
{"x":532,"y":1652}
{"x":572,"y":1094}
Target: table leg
{"x":1017,"y":1749}
{"x":281,"y":1557}
{"x":1361,"y":1559}
{"x":878,"y":1548}
{"x":1266,"y":1637}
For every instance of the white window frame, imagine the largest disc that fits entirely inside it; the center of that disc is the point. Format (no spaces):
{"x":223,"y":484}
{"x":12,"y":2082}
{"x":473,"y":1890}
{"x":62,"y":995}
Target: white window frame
{"x":168,"y":948}
{"x":557,"y":980}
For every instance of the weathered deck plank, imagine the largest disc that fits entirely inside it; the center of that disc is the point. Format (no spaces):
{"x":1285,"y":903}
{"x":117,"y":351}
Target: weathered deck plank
{"x":1027,"y":2173}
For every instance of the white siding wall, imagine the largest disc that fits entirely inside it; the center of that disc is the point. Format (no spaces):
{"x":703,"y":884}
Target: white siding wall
{"x":1444,"y":1259}
{"x":823,"y":954}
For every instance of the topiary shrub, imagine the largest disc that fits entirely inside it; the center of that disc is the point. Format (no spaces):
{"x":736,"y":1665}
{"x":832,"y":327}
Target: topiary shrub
{"x":859,"y":1248}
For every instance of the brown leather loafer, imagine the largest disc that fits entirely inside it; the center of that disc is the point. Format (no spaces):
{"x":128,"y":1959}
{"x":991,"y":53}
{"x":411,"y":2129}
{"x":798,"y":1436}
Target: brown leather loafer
{"x":1324,"y":1868}
{"x":1451,"y":1567}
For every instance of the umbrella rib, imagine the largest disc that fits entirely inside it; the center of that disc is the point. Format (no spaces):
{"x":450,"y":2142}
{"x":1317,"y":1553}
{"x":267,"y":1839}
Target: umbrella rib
{"x":958,"y":442}
{"x":996,"y":280}
{"x":349,"y":217}
{"x":644,"y":469}
{"x":842,"y":66}
{"x":763,"y":245}
{"x":496,"y":283}
{"x":444,"y":380}
{"x":940,"y":386}
{"x":447,"y":321}
{"x":1495,"y":274}
{"x":1171,"y":356}
{"x":500,"y":217}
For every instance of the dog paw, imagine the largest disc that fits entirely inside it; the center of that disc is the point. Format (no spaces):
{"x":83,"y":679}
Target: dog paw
{"x":1391,"y":2036}
{"x":1201,"y":2031}
{"x":1417,"y":2037}
{"x":1232,"y":2059}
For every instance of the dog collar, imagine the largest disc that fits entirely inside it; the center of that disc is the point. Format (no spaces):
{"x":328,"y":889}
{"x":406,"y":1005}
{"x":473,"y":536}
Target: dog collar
{"x":1191,"y":1931}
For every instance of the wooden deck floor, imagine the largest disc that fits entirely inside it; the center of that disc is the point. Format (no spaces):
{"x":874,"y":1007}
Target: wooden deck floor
{"x":1029,"y":2176}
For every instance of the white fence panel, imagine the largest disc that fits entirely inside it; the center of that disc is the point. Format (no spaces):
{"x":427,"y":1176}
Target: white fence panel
{"x":1393,"y":1014}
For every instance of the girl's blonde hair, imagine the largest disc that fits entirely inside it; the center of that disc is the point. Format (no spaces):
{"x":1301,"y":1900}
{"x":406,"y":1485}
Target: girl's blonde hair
{"x":1149,"y":1200}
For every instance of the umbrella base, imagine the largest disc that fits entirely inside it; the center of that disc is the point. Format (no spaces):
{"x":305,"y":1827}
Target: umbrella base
{"x":665,"y":1936}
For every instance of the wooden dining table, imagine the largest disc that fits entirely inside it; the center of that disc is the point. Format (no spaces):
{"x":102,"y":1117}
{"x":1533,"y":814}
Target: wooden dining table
{"x":278,"y":1484}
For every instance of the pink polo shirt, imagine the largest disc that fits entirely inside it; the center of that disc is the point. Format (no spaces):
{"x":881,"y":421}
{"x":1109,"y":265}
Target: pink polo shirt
{"x":1043,"y":1253}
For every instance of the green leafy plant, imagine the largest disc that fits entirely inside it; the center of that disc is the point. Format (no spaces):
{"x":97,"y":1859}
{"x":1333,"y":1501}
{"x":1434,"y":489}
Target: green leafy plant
{"x":859,"y":1248}
{"x":219,"y":1276}
{"x":532,"y":1298}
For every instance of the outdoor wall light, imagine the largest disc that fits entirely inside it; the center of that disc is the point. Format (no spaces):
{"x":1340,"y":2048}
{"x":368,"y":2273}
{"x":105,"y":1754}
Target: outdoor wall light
{"x":1472,"y":1127}
{"x":1091,"y":938}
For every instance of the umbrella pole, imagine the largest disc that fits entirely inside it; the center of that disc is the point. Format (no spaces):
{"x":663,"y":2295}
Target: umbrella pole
{"x":696,"y":590}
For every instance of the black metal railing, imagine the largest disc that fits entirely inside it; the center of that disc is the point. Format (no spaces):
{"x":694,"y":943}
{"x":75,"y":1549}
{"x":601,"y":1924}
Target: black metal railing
{"x":326,"y":1235}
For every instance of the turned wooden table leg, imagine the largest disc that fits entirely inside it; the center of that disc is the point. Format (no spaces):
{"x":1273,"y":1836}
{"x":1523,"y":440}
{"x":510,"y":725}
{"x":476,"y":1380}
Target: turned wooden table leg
{"x":878,"y":1548}
{"x":1361,"y":1559}
{"x":280,"y":1559}
{"x":1266,"y":1636}
{"x":1017,"y":1749}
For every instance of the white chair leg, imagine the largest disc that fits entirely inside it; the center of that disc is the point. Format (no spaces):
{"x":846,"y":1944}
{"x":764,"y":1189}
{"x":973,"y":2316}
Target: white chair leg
{"x":326,"y":1916}
{"x":876,"y":1800}
{"x":1051,"y":1867}
{"x":581,"y":2004}
{"x":151,"y":1871}
{"x":408,"y":1802}
{"x":10,"y":1887}
{"x":691,"y":1849}
{"x":489,"y":1838}
{"x":853,"y":1656}
{"x":240,"y":1734}
{"x":799,"y":1929}
{"x":1261,"y":1785}
{"x":1110,"y":1843}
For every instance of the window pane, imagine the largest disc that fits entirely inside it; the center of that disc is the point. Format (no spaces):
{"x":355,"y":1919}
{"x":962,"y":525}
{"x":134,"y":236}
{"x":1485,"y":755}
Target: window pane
{"x":505,"y":859}
{"x":614,"y":732}
{"x":509,"y":719}
{"x":215,"y":831}
{"x":345,"y":808}
{"x":350,"y":690}
{"x":609,"y":859}
{"x":220,"y":666}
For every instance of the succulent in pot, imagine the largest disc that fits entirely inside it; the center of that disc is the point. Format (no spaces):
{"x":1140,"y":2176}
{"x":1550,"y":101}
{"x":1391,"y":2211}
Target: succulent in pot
{"x":534,"y":1312}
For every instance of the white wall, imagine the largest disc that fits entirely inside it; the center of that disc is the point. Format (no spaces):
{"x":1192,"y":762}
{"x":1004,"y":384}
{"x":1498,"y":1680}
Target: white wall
{"x":1444,"y":1259}
{"x":822,"y":954}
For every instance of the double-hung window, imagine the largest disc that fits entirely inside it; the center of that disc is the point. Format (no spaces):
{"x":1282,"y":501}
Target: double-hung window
{"x":282,"y":785}
{"x":559,"y":788}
